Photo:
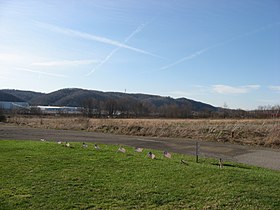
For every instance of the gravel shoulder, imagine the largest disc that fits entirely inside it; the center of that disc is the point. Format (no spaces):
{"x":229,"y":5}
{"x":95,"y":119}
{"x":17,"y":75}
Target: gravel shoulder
{"x":257,"y":156}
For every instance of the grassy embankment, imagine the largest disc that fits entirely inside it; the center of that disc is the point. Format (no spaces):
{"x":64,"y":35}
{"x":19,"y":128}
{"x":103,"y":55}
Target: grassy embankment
{"x":45,"y":175}
{"x":263,"y":132}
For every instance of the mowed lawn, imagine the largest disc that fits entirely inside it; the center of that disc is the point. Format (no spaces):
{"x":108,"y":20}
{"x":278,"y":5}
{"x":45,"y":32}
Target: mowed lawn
{"x":46,"y":175}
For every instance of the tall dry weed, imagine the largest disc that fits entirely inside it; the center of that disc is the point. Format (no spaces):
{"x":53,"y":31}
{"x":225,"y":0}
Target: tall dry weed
{"x":251,"y":131}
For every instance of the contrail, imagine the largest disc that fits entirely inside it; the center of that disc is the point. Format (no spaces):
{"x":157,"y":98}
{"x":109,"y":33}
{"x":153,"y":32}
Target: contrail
{"x":83,"y":35}
{"x":137,"y":30}
{"x":41,"y":72}
{"x":199,"y":52}
{"x":192,"y":56}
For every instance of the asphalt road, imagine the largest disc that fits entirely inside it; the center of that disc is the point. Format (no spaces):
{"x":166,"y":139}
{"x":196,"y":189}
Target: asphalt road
{"x":258,"y":156}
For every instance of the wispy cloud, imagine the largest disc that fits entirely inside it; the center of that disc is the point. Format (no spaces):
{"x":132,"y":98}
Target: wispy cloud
{"x":41,"y":72}
{"x":275,"y":88}
{"x":225,"y":89}
{"x":8,"y":57}
{"x":191,"y":91}
{"x":87,"y":36}
{"x":3,"y":77}
{"x":106,"y":59}
{"x":64,"y":63}
{"x":204,"y":50}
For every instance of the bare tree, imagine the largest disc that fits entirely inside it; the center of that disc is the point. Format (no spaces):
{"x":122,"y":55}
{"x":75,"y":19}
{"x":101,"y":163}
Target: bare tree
{"x":2,"y":115}
{"x":111,"y":107}
{"x":88,"y":105}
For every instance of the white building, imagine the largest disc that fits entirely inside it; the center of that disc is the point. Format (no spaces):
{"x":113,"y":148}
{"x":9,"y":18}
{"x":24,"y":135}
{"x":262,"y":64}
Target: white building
{"x":59,"y":110}
{"x":6,"y":105}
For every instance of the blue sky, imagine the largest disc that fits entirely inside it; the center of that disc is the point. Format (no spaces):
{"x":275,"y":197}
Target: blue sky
{"x":214,"y":51}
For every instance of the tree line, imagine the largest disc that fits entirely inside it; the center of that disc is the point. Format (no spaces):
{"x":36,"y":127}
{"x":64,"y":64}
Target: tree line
{"x":132,"y":108}
{"x":127,"y":108}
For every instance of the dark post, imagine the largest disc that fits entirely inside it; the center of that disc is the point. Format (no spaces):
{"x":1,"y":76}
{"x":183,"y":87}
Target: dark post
{"x":196,"y":151}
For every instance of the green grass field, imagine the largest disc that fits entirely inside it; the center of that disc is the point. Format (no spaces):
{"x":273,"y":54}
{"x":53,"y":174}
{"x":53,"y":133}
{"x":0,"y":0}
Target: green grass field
{"x":45,"y":175}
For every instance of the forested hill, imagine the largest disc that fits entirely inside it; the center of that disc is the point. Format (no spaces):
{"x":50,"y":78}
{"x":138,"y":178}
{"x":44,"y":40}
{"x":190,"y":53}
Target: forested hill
{"x":9,"y":97}
{"x":22,"y":95}
{"x":82,"y":98}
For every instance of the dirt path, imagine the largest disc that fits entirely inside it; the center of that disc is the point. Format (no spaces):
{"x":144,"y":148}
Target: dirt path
{"x":257,"y":156}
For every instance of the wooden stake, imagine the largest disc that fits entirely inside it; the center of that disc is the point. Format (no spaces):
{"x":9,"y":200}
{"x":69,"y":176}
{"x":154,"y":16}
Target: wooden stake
{"x":221,"y":164}
{"x":196,"y":151}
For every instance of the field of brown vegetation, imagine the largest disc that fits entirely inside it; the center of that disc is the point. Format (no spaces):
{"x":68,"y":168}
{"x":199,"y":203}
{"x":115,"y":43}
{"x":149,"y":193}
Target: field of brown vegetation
{"x":263,"y":132}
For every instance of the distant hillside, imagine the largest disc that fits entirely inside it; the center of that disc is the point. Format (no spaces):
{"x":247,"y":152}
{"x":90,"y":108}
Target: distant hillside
{"x":70,"y":97}
{"x":78,"y":97}
{"x":9,"y":97}
{"x":26,"y":96}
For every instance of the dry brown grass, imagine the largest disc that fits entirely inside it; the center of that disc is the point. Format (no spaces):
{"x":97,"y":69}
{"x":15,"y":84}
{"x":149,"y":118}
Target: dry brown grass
{"x":250,"y":131}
